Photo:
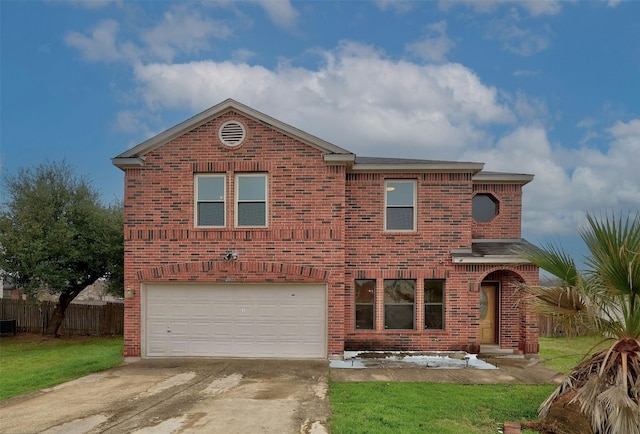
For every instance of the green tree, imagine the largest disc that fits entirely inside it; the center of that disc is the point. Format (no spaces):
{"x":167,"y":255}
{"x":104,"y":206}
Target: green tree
{"x":55,"y":235}
{"x":603,"y":299}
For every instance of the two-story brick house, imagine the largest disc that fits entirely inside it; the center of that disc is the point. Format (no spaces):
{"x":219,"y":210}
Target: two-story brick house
{"x":246,"y":237}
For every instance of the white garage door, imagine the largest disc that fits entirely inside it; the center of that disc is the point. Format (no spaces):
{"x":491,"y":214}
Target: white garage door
{"x":261,"y":320}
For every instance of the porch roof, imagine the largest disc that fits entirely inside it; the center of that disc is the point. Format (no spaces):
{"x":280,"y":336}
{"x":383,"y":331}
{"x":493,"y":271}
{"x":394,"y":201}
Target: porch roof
{"x":500,"y":251}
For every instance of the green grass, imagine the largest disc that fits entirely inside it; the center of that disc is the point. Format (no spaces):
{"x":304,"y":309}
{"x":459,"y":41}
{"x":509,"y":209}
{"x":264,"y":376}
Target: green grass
{"x":378,"y":407}
{"x":562,"y":354}
{"x":33,"y":362}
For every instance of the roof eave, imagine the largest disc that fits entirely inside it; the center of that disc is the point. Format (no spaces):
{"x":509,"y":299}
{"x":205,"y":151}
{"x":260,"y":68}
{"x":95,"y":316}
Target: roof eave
{"x":502,"y":178}
{"x":128,"y":162}
{"x":339,"y":159}
{"x":489,"y":259}
{"x":419,"y":167}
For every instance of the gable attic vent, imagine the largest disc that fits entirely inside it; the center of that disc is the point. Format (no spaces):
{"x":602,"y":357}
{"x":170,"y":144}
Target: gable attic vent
{"x":232,"y":133}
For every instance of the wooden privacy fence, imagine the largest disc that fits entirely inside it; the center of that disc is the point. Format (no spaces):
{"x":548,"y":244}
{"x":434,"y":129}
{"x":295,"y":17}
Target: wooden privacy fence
{"x":551,"y":327}
{"x":80,"y":319}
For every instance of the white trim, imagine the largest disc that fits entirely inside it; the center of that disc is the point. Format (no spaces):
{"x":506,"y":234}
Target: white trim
{"x":489,"y":259}
{"x":196,"y":201}
{"x":418,"y":167}
{"x":236,"y":199}
{"x":502,"y":178}
{"x":414,"y":205}
{"x":232,"y":124}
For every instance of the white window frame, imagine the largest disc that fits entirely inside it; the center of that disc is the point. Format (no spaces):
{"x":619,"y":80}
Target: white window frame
{"x":196,"y":200}
{"x":413,"y":205}
{"x":237,"y":200}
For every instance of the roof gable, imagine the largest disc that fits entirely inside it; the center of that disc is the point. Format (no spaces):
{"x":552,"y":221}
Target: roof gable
{"x":332,"y":154}
{"x":135,"y":156}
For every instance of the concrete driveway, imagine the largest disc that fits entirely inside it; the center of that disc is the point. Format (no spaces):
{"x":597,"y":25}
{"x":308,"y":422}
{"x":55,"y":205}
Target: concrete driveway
{"x":180,"y":396}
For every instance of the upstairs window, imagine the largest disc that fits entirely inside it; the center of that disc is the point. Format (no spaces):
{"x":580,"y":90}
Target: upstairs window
{"x":400,"y":204}
{"x":434,"y":304}
{"x":210,"y":203}
{"x":365,"y":291}
{"x":399,"y":304}
{"x":484,"y":207}
{"x":251,"y":200}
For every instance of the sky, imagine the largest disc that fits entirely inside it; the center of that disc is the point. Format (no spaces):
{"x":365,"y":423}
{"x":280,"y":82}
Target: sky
{"x":544,"y":87}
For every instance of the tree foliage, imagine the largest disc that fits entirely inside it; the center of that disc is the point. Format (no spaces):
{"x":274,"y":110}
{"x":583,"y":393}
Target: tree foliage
{"x":55,"y":235}
{"x":603,"y":299}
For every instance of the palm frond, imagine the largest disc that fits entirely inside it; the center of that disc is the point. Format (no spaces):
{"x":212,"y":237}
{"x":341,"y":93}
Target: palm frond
{"x":606,"y":297}
{"x":614,"y":246}
{"x":554,"y":260}
{"x":587,"y":397}
{"x":567,"y":305}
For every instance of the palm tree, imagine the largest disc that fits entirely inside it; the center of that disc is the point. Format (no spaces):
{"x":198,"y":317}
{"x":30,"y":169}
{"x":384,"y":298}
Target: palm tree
{"x":605,"y":299}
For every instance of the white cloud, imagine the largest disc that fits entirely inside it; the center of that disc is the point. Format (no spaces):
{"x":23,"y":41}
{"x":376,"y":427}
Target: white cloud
{"x":101,"y":45}
{"x":526,"y":73}
{"x":93,"y":4}
{"x":281,"y":12}
{"x":528,"y":109}
{"x":517,"y":38}
{"x":242,"y":55}
{"x":527,"y":150}
{"x":534,"y":7}
{"x":360,"y":99}
{"x":400,"y":6}
{"x":182,"y":31}
{"x":564,"y":189}
{"x":128,"y":121}
{"x":356,"y":99}
{"x":435,"y":46}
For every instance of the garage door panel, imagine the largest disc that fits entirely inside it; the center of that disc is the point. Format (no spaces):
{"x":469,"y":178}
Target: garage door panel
{"x":265,"y":320}
{"x":199,"y":330}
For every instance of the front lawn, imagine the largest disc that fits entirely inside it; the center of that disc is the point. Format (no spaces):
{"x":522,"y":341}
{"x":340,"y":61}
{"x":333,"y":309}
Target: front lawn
{"x":382,"y":407}
{"x":32,"y":362}
{"x":562,"y":354}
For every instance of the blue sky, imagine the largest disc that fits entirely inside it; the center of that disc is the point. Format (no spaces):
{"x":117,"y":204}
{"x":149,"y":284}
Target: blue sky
{"x":550,"y":88}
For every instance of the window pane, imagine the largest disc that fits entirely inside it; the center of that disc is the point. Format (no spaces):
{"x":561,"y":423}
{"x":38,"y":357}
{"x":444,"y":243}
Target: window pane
{"x":399,"y":193}
{"x":433,"y":316}
{"x":398,"y":316}
{"x":399,"y":296}
{"x":433,"y":290}
{"x":484,"y":207}
{"x":365,"y":291}
{"x":211,"y":214}
{"x":399,"y":218}
{"x":364,"y":316}
{"x":251,"y":188}
{"x":251,"y":214}
{"x":399,"y":291}
{"x":211,"y":188}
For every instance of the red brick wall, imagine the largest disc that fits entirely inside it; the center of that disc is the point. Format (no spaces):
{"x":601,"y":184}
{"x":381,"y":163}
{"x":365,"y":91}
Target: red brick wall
{"x":302,"y":243}
{"x":324,"y":225}
{"x":508,"y":222}
{"x":444,"y":222}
